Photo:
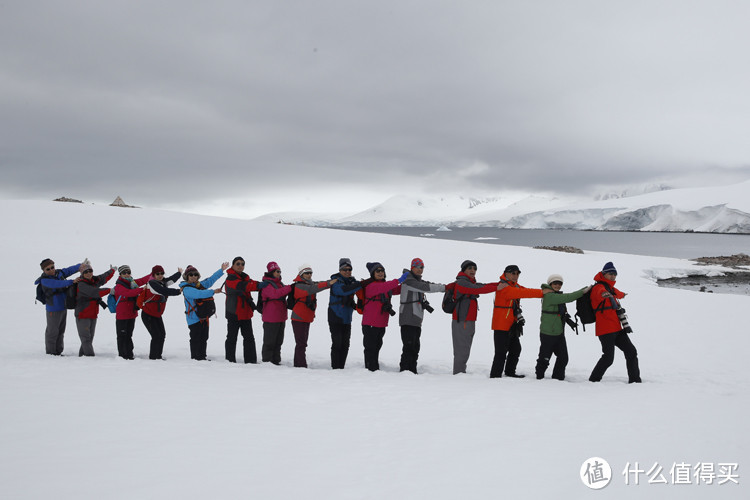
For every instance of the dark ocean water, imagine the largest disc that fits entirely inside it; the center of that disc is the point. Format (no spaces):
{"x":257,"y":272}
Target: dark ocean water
{"x":680,"y":245}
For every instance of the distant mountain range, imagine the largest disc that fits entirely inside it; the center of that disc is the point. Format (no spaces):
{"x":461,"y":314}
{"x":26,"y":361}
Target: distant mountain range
{"x":724,"y":209}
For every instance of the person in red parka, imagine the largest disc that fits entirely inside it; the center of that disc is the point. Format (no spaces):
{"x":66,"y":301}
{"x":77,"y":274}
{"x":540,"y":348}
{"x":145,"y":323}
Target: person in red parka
{"x":154,"y":302}
{"x":239,"y":312}
{"x":507,"y":322}
{"x":126,"y":292}
{"x":612,"y":326}
{"x":303,"y":312}
{"x":466,"y":291}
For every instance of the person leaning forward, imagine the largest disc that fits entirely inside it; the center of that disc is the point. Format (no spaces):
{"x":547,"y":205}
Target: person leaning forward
{"x":54,"y":282}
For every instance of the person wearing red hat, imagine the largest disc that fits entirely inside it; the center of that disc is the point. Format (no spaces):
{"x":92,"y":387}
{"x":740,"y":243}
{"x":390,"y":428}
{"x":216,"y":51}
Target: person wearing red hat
{"x":273,"y":303}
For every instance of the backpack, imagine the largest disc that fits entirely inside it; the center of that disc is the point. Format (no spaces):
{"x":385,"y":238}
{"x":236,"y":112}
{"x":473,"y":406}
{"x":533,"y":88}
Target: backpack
{"x":290,"y":300}
{"x":259,"y":305}
{"x":112,"y":303}
{"x":40,"y":295}
{"x":449,"y":300}
{"x":204,"y":308}
{"x":584,"y":310}
{"x":71,"y":296}
{"x":143,"y":298}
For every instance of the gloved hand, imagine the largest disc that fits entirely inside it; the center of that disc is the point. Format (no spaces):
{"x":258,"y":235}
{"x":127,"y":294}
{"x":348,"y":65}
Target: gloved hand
{"x":403,"y":277}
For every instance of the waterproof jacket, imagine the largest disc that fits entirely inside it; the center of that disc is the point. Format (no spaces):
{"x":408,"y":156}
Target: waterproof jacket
{"x":553,"y":306}
{"x":411,"y":310}
{"x":191,"y":293}
{"x":506,"y":299}
{"x":375,"y":293}
{"x":341,"y":304}
{"x":157,"y":292}
{"x":273,"y":296}
{"x":89,"y":293}
{"x":466,"y":290}
{"x":305,"y":301}
{"x":238,"y":287}
{"x":606,"y":307}
{"x":126,"y":292}
{"x":54,"y":287}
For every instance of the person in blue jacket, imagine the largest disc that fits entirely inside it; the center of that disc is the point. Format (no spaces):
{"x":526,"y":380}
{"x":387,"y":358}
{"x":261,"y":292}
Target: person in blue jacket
{"x":340,"y":308}
{"x":53,"y":282}
{"x":192,"y":291}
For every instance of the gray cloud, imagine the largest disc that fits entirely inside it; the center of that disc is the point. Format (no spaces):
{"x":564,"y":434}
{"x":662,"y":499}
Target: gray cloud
{"x":163,"y":101}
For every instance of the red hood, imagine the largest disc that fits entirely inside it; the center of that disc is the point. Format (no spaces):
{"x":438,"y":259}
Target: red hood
{"x":600,"y":277}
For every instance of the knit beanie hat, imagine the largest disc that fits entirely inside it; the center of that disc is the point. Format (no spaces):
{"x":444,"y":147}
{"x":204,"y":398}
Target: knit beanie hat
{"x":84,"y":267}
{"x":554,"y":277}
{"x":609,"y":268}
{"x":304,"y":268}
{"x":372,"y":266}
{"x":157,"y":269}
{"x":124,"y":268}
{"x":417,"y":262}
{"x":190,"y":270}
{"x":344,"y":262}
{"x":234,"y":261}
{"x":272,"y":266}
{"x":46,"y":263}
{"x":466,"y":264}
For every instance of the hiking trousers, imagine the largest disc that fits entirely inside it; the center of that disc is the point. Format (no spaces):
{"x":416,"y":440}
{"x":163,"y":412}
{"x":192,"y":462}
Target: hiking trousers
{"x":507,"y":351}
{"x":86,"y":329}
{"x":155,"y":327}
{"x":341,"y":336}
{"x":273,"y":338}
{"x":621,"y":341}
{"x":125,"y":329}
{"x":235,"y":326}
{"x":372,"y":340}
{"x":549,"y":345}
{"x":301,"y":331}
{"x":410,"y":338}
{"x":53,"y":335}
{"x":198,"y":340}
{"x":463,"y":336}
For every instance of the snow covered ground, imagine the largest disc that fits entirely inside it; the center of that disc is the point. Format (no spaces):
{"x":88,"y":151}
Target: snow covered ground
{"x":722,"y":209}
{"x":108,"y":428}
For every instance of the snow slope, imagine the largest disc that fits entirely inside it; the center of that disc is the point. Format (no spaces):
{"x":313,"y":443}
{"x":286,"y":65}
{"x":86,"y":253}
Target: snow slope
{"x":724,"y":209}
{"x":103,"y":427}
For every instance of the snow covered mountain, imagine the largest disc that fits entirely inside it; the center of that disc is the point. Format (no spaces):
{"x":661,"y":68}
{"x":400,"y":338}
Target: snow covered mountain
{"x":724,"y":209}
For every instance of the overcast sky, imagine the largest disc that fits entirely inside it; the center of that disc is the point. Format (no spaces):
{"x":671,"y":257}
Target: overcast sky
{"x":333,"y":105}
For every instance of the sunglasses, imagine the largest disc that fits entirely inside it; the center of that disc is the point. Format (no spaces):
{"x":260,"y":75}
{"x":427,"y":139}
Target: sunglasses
{"x":346,"y":270}
{"x":88,"y":271}
{"x":239,"y":263}
{"x":49,"y":268}
{"x":418,"y":267}
{"x":158,"y":274}
{"x":125,"y":273}
{"x":193,"y":275}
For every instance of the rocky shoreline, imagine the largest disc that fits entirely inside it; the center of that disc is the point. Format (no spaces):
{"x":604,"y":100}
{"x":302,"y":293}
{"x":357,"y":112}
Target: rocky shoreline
{"x":734,"y":282}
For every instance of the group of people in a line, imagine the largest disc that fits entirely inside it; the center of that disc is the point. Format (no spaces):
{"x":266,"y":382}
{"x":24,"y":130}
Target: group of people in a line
{"x":371,"y":297}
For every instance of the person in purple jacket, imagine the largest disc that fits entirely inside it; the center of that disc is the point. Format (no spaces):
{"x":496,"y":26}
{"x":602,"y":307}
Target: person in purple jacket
{"x":53,"y":283}
{"x":273,"y":302}
{"x":376,"y":311}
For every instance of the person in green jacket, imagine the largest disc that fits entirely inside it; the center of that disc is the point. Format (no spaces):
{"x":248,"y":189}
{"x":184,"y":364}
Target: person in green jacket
{"x":552,"y":327}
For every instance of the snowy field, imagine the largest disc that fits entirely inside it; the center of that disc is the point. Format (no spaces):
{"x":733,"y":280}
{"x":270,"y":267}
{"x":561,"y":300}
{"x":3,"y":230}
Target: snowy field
{"x":103,"y":427}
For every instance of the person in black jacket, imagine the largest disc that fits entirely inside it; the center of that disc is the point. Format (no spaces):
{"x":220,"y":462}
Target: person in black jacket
{"x":341,"y":306}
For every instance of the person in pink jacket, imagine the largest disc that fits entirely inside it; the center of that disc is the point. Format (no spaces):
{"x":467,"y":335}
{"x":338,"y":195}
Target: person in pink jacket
{"x":376,"y":311}
{"x":126,"y":291}
{"x":273,"y":302}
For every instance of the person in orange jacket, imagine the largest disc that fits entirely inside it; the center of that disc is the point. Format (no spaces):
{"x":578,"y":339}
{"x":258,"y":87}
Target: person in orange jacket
{"x":507,"y":322}
{"x":612,"y":326}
